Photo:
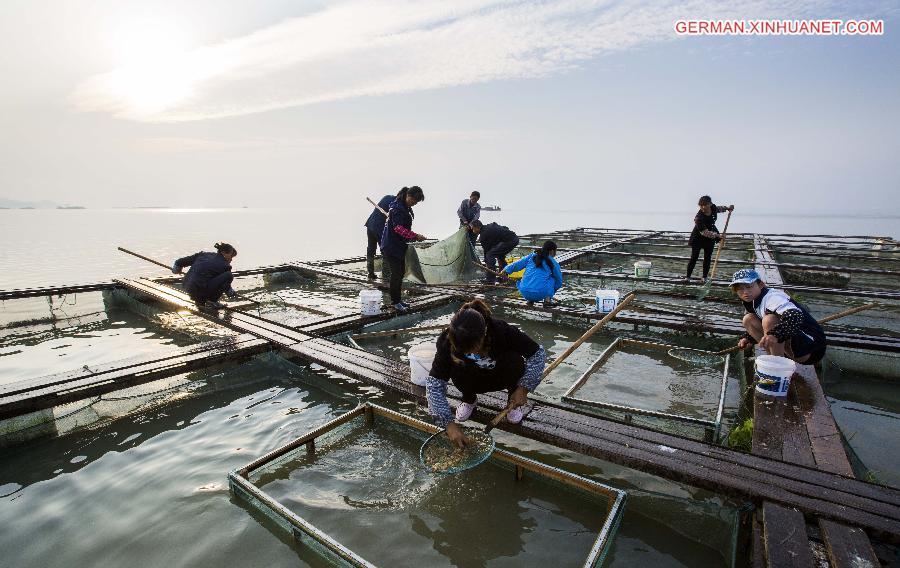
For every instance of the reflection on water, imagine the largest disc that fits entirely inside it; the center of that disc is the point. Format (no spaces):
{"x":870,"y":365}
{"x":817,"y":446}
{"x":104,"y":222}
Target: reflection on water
{"x":150,"y":489}
{"x":867,"y":410}
{"x":369,"y":483}
{"x":637,"y":376}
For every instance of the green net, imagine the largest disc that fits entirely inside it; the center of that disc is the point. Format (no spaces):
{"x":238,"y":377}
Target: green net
{"x":440,"y":455}
{"x":449,"y":260}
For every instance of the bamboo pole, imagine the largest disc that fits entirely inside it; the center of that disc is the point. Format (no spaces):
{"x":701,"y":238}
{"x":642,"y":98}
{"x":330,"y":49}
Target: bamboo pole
{"x":391,"y":332}
{"x":712,"y":273}
{"x":847,"y":312}
{"x":500,"y":416}
{"x":383,"y":212}
{"x":627,"y":300}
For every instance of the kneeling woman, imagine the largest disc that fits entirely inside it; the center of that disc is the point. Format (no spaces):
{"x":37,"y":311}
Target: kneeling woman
{"x":481,"y":354}
{"x":542,"y":277}
{"x":210,"y":275}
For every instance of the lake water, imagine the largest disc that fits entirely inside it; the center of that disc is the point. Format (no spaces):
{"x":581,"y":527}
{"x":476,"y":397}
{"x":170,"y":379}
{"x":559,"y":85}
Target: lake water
{"x":141,"y":478}
{"x":55,"y":247}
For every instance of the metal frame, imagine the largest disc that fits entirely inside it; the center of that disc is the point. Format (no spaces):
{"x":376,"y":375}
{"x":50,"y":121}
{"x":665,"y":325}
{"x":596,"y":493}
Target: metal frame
{"x":323,"y":543}
{"x":712,"y":427}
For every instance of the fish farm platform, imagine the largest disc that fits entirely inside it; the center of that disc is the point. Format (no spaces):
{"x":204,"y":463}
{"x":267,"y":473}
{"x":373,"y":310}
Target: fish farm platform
{"x":810,"y":507}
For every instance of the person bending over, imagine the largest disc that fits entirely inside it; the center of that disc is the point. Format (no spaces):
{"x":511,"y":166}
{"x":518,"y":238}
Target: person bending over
{"x":543,"y":276}
{"x":775,"y":322}
{"x":497,"y":242}
{"x":209,"y":276}
{"x":481,"y":354}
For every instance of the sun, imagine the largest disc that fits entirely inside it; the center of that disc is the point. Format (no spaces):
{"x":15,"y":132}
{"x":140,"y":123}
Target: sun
{"x":146,"y":40}
{"x":151,"y":55}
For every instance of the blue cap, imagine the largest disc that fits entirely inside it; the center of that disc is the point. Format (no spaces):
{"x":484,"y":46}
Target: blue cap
{"x":745,"y":276}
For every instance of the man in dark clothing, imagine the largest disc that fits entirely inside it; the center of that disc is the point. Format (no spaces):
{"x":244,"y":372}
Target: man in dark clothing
{"x":469,"y":210}
{"x":497,"y":242}
{"x":209,"y":276}
{"x":374,"y":228}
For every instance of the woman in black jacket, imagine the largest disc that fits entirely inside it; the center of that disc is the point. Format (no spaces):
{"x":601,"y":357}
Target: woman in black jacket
{"x":396,"y":236}
{"x":209,"y":276}
{"x":481,"y":354}
{"x":705,"y":234}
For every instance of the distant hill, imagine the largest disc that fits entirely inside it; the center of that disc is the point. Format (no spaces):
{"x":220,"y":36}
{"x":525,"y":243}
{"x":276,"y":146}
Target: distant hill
{"x":15,"y":204}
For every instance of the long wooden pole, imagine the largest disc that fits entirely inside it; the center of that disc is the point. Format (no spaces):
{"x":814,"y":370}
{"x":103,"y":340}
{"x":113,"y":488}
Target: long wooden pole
{"x":391,"y":332}
{"x":627,"y":300}
{"x":847,"y":312}
{"x":383,"y":212}
{"x":712,"y":273}
{"x":485,"y":268}
{"x":500,"y":416}
{"x":156,"y":262}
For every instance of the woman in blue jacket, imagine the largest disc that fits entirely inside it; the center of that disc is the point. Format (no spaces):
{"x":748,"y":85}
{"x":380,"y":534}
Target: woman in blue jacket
{"x":542,"y":277}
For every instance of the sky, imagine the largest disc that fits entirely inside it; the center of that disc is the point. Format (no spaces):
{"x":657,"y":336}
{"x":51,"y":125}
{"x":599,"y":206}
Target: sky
{"x":568,"y":105}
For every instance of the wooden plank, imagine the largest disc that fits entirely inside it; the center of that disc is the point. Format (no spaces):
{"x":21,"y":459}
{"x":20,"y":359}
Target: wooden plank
{"x":847,"y":547}
{"x":677,"y":281}
{"x":340,"y":324}
{"x":784,"y":535}
{"x":824,"y":436}
{"x":704,"y":465}
{"x":759,"y":263}
{"x":23,"y":399}
{"x":758,"y":543}
{"x":779,"y":431}
{"x":765,"y":262}
{"x":18,"y":293}
{"x":17,"y":387}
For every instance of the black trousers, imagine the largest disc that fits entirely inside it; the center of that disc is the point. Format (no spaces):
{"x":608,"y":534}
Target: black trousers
{"x":497,"y":256}
{"x":707,"y":246}
{"x":371,"y":249}
{"x":398,"y":267}
{"x":214,"y":288}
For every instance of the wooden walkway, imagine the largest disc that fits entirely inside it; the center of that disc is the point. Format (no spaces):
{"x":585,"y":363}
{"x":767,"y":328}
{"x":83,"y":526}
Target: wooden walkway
{"x":755,"y":478}
{"x":22,"y":397}
{"x":662,"y":318}
{"x":800,"y":429}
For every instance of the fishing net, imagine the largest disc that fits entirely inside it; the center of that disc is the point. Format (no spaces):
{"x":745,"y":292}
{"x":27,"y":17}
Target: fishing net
{"x":696,"y":356}
{"x":449,"y":260}
{"x":441,"y":455}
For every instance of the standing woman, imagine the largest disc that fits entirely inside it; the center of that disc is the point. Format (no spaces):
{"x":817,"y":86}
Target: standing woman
{"x":542,"y":277}
{"x":396,"y":236}
{"x":705,"y":234}
{"x":481,"y":354}
{"x":374,"y":228}
{"x":210,"y":275}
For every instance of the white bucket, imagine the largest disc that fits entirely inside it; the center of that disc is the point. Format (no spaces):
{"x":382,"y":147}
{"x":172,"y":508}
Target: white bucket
{"x":420,"y":358}
{"x":370,"y":302}
{"x":773,"y":374}
{"x":607,"y":300}
{"x":642,"y":269}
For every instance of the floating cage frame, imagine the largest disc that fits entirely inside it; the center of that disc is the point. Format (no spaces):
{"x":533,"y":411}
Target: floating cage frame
{"x":711,"y":427}
{"x":334,"y":552}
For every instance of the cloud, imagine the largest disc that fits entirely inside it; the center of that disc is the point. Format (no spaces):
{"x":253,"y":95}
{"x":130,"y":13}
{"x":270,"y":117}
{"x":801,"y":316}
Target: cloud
{"x":366,"y":48}
{"x":179,"y":144}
